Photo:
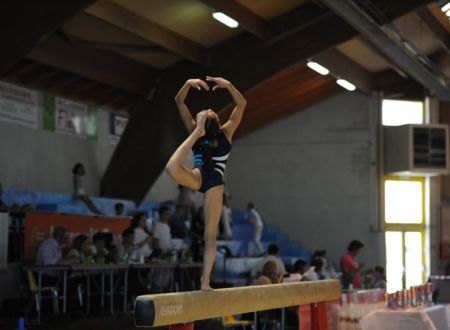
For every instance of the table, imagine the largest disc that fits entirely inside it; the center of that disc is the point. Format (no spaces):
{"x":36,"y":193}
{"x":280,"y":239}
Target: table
{"x":104,"y":269}
{"x":46,"y":269}
{"x":419,"y":318}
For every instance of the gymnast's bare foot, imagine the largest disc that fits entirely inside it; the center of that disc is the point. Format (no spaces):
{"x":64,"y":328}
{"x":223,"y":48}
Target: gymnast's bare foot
{"x":201,"y":120}
{"x":205,"y":285}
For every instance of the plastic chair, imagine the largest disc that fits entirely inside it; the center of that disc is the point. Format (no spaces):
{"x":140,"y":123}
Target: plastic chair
{"x":230,"y":322}
{"x":53,"y":290}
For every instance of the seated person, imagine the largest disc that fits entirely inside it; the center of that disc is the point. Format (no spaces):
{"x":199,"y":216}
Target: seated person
{"x":269,"y":274}
{"x":161,"y":230}
{"x":79,"y":250}
{"x":143,"y":240}
{"x":300,"y":266}
{"x":124,"y":249}
{"x":379,"y":278}
{"x":177,"y":222}
{"x":314,"y":273}
{"x":98,"y":248}
{"x":49,"y":253}
{"x":272,"y":255}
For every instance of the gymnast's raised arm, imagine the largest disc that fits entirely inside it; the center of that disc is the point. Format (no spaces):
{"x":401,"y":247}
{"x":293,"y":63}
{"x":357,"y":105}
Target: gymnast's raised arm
{"x":236,"y":116}
{"x":185,"y":114}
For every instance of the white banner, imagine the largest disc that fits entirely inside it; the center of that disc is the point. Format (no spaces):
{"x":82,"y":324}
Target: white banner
{"x":18,"y":105}
{"x":71,"y":117}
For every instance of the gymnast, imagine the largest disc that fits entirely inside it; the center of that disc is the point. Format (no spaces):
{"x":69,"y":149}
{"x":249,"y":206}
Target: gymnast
{"x":211,"y":145}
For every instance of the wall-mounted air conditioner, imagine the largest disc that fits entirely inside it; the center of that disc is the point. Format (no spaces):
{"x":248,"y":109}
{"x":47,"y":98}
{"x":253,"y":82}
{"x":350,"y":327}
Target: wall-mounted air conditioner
{"x":420,"y":150}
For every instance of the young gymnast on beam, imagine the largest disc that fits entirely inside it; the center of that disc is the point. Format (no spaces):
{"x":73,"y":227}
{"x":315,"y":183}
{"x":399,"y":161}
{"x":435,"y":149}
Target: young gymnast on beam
{"x":211,"y":144}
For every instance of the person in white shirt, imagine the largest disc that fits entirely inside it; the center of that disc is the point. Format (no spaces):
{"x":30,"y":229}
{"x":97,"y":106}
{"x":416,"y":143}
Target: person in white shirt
{"x":272,"y":255}
{"x":161,"y":230}
{"x":162,"y":278}
{"x":143,"y":240}
{"x":49,"y":251}
{"x":258,"y":226}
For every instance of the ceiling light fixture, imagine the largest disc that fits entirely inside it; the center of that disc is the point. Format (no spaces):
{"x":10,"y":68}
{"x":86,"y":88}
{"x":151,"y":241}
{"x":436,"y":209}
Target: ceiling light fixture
{"x":446,"y":7}
{"x":318,"y":68}
{"x":224,"y":19}
{"x":346,"y":84}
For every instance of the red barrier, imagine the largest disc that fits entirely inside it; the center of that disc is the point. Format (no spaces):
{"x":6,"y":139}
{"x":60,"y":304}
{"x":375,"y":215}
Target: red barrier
{"x":39,"y":227}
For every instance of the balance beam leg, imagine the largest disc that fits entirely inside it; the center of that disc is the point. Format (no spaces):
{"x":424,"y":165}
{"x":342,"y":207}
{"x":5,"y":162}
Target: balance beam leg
{"x":319,"y":316}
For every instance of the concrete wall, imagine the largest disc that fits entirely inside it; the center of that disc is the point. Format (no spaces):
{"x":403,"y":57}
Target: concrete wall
{"x":312,"y":175}
{"x":37,"y":159}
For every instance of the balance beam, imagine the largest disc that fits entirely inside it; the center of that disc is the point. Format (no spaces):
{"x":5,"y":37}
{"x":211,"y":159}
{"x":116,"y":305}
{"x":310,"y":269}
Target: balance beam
{"x":183,"y":307}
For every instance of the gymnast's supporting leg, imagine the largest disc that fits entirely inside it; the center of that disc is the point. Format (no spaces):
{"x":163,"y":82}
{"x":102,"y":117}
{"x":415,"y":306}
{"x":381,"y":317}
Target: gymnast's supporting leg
{"x":212,"y":210}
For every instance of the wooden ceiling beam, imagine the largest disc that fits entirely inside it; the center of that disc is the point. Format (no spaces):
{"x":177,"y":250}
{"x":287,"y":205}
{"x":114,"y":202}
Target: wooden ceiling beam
{"x":248,"y":19}
{"x":24,"y":22}
{"x":435,"y":26}
{"x":102,"y":66}
{"x":133,"y":23}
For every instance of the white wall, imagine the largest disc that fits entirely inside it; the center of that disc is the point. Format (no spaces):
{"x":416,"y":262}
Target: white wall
{"x":311,"y":175}
{"x":37,"y":159}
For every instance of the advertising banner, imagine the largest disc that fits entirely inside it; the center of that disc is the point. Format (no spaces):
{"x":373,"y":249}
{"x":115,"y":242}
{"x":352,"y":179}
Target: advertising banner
{"x":18,"y":105}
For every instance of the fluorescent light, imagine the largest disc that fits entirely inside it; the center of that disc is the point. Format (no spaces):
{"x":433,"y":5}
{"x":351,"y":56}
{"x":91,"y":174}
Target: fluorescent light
{"x":346,"y":84}
{"x":446,"y":7}
{"x":318,"y":68}
{"x":447,"y":13}
{"x":224,"y":19}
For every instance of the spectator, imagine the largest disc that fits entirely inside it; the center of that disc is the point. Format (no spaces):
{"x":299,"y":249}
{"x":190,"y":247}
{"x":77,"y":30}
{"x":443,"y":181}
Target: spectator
{"x":161,"y":230}
{"x":98,"y":248}
{"x":351,"y":270}
{"x":272,"y":255}
{"x":186,"y":196}
{"x":79,"y":250}
{"x":49,"y":251}
{"x":119,"y":209}
{"x":226,"y":217}
{"x":177,"y":222}
{"x":379,"y":278}
{"x":197,"y":232}
{"x":125,"y":248}
{"x":269,"y":274}
{"x":78,"y":187}
{"x":142,"y":238}
{"x":300,"y":266}
{"x":327,"y":269}
{"x":255,"y":219}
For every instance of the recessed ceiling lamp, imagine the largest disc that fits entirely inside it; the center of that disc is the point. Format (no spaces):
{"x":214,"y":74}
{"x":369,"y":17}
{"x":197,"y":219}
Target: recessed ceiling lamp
{"x":346,"y":84}
{"x":224,"y":19}
{"x":318,"y":68}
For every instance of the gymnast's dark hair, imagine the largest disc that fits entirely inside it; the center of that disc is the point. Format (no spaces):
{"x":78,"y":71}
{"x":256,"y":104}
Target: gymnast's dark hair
{"x":212,"y":128}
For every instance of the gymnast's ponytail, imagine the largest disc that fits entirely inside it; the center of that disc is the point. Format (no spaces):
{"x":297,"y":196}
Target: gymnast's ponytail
{"x":212,"y":128}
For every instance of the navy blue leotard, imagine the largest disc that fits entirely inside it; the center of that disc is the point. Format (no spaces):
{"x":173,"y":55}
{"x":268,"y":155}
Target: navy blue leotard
{"x":212,"y":176}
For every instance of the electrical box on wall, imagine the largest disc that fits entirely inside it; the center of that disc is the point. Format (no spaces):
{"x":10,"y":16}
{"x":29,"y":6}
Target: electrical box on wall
{"x":420,"y":150}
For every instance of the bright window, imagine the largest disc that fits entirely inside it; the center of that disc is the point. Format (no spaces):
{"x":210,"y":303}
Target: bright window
{"x":403,"y":201}
{"x":398,"y":112}
{"x":394,"y":261}
{"x":413,"y":258}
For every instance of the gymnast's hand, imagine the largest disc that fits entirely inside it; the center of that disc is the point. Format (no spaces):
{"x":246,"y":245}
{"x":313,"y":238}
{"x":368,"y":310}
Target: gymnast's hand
{"x":219,"y":82}
{"x":197,"y":84}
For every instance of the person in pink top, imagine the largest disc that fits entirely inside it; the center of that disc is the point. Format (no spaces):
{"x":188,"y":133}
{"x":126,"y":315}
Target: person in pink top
{"x":350,"y":268}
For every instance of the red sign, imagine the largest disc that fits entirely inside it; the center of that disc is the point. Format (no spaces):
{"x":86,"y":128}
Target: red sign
{"x":39,"y":226}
